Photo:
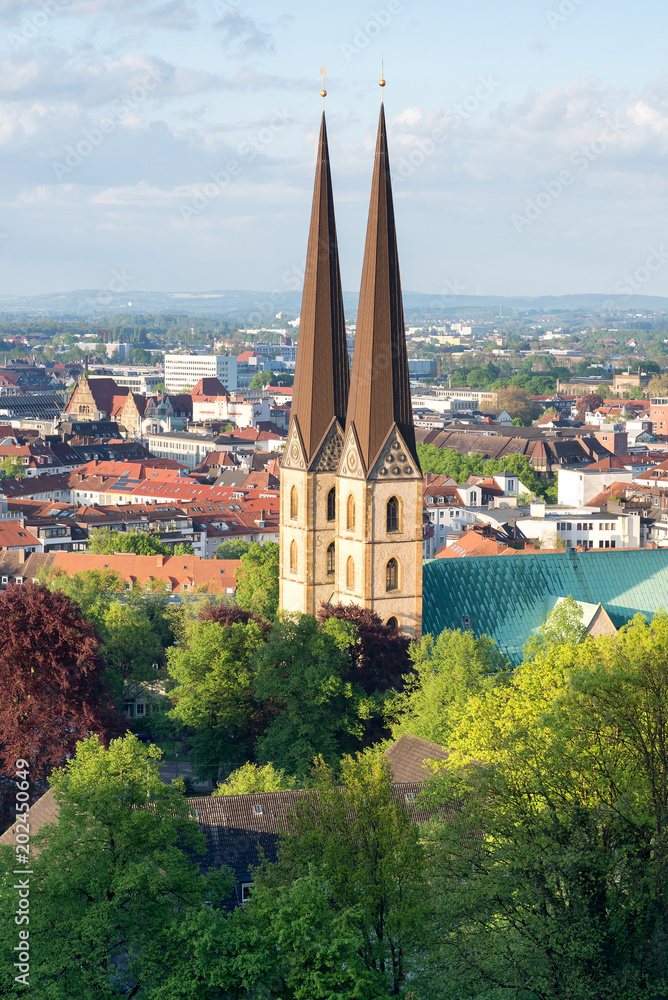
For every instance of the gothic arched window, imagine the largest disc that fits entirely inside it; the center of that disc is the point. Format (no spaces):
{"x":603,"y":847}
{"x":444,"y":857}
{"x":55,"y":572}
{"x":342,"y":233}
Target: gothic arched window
{"x":293,"y":556}
{"x":350,"y":574}
{"x":294,"y":503}
{"x":350,"y":513}
{"x":392,"y":575}
{"x":393,"y":514}
{"x":331,"y":559}
{"x":331,"y":504}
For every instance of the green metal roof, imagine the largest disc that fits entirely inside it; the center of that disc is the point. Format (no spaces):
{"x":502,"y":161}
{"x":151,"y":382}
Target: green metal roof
{"x":509,"y":596}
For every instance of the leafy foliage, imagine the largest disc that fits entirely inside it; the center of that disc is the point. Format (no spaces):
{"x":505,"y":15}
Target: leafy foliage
{"x":257,"y":580}
{"x":104,"y":541}
{"x":51,"y":677}
{"x":214,"y":690}
{"x":379,"y":658}
{"x":12,"y":468}
{"x":113,"y":881}
{"x":255,"y":778}
{"x":448,"y":671}
{"x":300,"y":681}
{"x":232,"y":550}
{"x":564,"y":896}
{"x":448,"y":462}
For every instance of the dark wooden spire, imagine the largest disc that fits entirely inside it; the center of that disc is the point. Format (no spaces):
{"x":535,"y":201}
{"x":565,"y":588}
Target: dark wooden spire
{"x":321,"y":371}
{"x":380,"y":389}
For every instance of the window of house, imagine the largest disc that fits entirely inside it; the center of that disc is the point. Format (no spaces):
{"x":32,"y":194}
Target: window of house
{"x":331,"y":559}
{"x":392,"y":622}
{"x":140,"y":709}
{"x":350,"y":574}
{"x":246,"y":891}
{"x":294,"y":503}
{"x":331,"y":504}
{"x":293,"y":556}
{"x":393,"y":514}
{"x":392,"y":575}
{"x":613,"y":544}
{"x":350,"y":513}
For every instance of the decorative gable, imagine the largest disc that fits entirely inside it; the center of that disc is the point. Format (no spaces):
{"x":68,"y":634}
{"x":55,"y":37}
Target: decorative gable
{"x":328,"y":455}
{"x":351,"y":465}
{"x":293,"y":456}
{"x":394,"y":461}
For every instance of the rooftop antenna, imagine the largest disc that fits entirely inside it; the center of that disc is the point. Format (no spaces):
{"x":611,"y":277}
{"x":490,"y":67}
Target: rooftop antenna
{"x":323,"y":92}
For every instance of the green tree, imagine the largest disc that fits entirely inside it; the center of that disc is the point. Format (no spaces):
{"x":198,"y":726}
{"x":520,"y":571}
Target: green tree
{"x":12,"y":468}
{"x":448,"y":670}
{"x":104,"y":541}
{"x":519,"y":404}
{"x":232,"y":550}
{"x":214,"y":693}
{"x":260,"y":380}
{"x":255,"y":778}
{"x":551,"y":866}
{"x":355,"y":833}
{"x":257,"y":580}
{"x":113,"y":882}
{"x":299,"y":680}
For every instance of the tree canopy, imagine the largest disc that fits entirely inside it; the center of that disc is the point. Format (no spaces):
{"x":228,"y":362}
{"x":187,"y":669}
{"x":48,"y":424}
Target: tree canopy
{"x":52,"y":678}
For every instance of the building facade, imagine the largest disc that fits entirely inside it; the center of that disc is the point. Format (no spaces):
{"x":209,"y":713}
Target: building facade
{"x":183,"y":371}
{"x":351,"y":484}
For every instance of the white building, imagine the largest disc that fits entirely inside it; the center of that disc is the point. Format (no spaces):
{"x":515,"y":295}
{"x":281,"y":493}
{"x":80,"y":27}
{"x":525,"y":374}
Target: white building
{"x":242,"y":412}
{"x":576,"y":487}
{"x":183,"y":371}
{"x":186,"y":448}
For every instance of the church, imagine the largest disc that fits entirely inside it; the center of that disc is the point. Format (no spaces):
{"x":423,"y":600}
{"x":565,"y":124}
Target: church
{"x":351,"y":519}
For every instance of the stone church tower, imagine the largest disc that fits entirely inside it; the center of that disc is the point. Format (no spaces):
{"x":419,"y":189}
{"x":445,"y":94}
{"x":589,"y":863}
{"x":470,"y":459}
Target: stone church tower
{"x":319,"y":402}
{"x":351,"y":515}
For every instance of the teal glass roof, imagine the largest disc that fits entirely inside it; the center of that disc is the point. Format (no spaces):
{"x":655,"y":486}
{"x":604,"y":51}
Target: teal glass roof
{"x":509,"y":596}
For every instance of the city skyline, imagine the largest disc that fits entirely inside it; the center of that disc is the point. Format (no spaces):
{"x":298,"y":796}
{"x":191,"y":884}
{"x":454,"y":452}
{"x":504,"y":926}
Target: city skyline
{"x":174,"y":143}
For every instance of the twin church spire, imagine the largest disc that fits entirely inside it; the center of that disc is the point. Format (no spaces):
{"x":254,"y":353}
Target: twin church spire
{"x":351,"y":486}
{"x":377,"y":394}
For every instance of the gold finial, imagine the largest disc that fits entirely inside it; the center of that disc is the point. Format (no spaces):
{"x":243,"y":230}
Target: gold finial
{"x":323,"y":92}
{"x":381,"y":82}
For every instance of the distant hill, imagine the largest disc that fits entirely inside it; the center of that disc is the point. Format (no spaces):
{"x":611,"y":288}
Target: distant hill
{"x":226,"y":304}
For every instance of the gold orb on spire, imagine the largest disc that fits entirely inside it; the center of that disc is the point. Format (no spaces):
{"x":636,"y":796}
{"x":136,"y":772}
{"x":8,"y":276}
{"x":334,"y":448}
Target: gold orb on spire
{"x":381,"y":82}
{"x":323,"y":74}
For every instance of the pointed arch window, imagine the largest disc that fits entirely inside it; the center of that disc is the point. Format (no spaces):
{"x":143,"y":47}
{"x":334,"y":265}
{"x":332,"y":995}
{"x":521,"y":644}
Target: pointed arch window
{"x":293,"y":556}
{"x":350,"y":513}
{"x":331,"y":504}
{"x":350,"y":574}
{"x":392,"y":575}
{"x":294,"y":504}
{"x":331,"y":559}
{"x":393,"y":514}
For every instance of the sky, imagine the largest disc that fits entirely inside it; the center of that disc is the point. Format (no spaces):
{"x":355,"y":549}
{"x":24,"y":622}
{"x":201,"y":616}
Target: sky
{"x":169,"y":145}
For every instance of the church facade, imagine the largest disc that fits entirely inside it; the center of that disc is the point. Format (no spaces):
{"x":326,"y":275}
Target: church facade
{"x":351,"y":521}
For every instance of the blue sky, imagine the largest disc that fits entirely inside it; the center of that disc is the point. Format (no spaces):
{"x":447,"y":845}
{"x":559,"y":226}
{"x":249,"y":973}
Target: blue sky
{"x":172,"y":142}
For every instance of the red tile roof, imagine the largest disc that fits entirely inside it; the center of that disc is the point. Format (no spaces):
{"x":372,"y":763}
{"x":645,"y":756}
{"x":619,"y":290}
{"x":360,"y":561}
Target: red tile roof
{"x":183,"y":573}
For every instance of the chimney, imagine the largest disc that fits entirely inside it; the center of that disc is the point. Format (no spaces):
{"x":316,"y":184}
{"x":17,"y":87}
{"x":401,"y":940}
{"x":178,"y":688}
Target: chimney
{"x":160,"y":561}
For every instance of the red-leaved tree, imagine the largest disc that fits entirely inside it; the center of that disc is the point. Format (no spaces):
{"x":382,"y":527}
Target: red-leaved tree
{"x":52,"y":690}
{"x":379,"y":659}
{"x":232,"y":614}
